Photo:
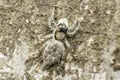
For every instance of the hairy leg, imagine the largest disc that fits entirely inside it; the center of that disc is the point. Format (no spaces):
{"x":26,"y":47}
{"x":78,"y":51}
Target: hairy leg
{"x":74,"y":29}
{"x":51,"y":21}
{"x":67,"y":44}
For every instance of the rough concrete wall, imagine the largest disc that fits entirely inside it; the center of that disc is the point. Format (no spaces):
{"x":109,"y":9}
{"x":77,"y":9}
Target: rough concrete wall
{"x":95,"y":53}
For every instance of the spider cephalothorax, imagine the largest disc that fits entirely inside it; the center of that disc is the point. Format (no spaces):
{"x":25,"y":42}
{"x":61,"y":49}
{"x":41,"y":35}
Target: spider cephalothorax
{"x":54,"y":53}
{"x":60,"y":32}
{"x":62,"y":29}
{"x":60,"y":35}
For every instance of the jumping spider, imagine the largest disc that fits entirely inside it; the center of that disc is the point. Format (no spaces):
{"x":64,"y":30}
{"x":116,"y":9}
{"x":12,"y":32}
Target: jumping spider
{"x":54,"y":49}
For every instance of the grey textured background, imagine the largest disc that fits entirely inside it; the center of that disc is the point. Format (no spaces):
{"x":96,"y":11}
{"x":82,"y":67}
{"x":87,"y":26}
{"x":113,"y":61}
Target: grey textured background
{"x":95,"y":54}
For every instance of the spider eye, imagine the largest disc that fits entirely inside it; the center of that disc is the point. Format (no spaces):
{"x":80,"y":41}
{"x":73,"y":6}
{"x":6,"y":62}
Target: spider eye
{"x":63,"y":30}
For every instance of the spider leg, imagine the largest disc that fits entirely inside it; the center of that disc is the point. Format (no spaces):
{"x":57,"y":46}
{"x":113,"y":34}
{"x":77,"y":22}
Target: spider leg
{"x":51,"y":21}
{"x":49,"y":36}
{"x":67,"y":44}
{"x":63,"y":58}
{"x":45,"y":38}
{"x":73,"y":32}
{"x":46,"y":43}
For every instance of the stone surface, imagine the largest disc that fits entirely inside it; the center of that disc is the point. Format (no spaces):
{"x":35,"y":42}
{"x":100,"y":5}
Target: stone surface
{"x":95,"y":48}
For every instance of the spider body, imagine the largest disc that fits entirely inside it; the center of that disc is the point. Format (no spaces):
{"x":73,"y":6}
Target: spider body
{"x":53,"y":55}
{"x":54,"y":52}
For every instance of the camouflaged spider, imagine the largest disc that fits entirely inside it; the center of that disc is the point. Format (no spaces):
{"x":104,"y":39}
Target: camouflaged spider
{"x":54,"y":49}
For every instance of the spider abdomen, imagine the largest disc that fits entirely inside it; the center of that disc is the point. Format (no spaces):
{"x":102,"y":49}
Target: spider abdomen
{"x":53,"y":53}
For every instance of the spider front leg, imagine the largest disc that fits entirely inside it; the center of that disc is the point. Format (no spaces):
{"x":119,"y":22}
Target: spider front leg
{"x":73,"y":32}
{"x":51,"y":21}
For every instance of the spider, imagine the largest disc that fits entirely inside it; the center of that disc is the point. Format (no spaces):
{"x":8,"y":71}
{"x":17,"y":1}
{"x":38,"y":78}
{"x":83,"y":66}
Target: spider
{"x":54,"y":49}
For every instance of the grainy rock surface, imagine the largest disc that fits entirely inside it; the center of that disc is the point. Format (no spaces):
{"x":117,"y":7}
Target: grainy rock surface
{"x":95,"y":53}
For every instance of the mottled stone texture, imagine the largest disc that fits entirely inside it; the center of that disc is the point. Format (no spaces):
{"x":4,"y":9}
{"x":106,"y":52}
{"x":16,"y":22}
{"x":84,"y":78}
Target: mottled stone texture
{"x":95,"y":53}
